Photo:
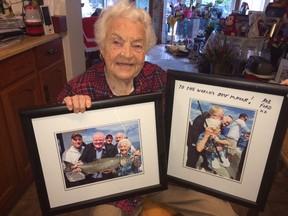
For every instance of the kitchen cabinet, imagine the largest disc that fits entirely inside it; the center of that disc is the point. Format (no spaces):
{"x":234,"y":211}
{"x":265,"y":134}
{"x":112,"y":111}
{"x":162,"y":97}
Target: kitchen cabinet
{"x":8,"y":179}
{"x":30,"y":77}
{"x":51,"y":69}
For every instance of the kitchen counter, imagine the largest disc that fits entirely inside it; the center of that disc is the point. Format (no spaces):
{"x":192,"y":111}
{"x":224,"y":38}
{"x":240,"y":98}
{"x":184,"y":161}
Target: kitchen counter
{"x":26,"y":43}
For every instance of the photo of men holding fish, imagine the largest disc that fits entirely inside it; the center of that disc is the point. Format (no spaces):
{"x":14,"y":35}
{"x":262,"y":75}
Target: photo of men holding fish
{"x":88,"y":158}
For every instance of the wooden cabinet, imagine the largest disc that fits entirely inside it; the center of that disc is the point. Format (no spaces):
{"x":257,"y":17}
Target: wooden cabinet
{"x":51,"y":68}
{"x":30,"y":78}
{"x":8,"y":180}
{"x":51,"y":86}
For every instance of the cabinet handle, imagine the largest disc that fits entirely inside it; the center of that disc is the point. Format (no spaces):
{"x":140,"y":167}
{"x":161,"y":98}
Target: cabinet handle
{"x":47,"y":95}
{"x":52,"y":51}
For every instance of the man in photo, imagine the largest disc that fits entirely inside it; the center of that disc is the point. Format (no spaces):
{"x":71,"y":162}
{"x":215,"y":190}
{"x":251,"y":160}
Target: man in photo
{"x":93,"y":151}
{"x":72,"y":155}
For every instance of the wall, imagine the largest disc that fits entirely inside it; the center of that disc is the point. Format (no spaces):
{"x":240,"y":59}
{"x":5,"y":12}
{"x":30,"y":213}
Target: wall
{"x":73,"y":40}
{"x":156,"y":12}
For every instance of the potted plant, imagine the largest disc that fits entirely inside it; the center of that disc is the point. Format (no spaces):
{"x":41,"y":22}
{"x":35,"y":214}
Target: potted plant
{"x":221,"y":58}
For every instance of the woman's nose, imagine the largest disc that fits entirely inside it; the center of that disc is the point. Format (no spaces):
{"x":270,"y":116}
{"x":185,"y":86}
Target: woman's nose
{"x":127,"y":51}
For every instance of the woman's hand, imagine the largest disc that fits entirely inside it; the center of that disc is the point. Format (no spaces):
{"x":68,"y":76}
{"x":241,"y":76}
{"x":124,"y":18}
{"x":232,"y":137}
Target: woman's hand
{"x":137,"y":153}
{"x":208,"y":132}
{"x":284,"y":82}
{"x":78,"y":103}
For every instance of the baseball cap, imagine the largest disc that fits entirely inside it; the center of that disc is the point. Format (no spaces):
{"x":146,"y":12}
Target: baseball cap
{"x":76,"y":134}
{"x":109,"y":135}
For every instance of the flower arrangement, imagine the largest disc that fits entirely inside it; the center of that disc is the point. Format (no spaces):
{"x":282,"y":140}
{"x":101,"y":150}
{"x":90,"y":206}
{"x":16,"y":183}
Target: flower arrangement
{"x":221,"y":57}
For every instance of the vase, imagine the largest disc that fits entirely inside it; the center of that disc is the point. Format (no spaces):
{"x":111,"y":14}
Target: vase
{"x":225,"y":69}
{"x":217,"y":69}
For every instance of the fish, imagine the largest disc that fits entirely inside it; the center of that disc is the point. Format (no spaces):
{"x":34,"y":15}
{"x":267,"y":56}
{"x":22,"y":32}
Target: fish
{"x":99,"y":165}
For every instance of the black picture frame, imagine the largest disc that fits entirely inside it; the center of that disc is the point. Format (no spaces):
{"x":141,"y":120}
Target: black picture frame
{"x":267,"y":105}
{"x":282,"y":71}
{"x":45,"y":128}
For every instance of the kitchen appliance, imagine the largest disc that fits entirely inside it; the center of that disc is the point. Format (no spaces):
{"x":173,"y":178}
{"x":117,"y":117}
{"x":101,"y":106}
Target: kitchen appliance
{"x":33,"y":20}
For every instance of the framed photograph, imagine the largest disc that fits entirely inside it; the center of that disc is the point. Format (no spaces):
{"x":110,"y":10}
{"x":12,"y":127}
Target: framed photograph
{"x":58,"y":139}
{"x":282,"y":72}
{"x":224,"y":135}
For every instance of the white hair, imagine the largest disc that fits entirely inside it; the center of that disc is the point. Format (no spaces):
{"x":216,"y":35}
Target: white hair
{"x":125,"y":9}
{"x":213,"y":123}
{"x":126,"y":141}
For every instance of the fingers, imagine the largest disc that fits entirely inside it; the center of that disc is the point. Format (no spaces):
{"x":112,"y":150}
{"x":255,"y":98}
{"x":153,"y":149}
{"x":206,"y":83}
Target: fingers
{"x":78,"y":103}
{"x":68,"y":102}
{"x":79,"y":163}
{"x":284,"y":82}
{"x":107,"y":171}
{"x":88,"y":102}
{"x":76,"y":167}
{"x":76,"y":170}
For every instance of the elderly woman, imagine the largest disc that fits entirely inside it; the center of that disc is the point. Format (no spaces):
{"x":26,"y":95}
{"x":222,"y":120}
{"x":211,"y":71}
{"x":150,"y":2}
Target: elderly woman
{"x":124,"y":147}
{"x":208,"y":140}
{"x":124,"y":35}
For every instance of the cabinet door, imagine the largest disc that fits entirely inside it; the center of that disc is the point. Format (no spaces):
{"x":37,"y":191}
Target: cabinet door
{"x":17,"y":67}
{"x":53,"y":79}
{"x":23,"y":94}
{"x":8,"y":177}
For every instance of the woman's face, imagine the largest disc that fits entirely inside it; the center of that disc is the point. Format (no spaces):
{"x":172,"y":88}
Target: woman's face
{"x":123,"y":147}
{"x":218,"y":115}
{"x":124,"y":48}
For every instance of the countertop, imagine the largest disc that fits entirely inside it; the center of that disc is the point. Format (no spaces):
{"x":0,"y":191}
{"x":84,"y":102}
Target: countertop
{"x":26,"y":43}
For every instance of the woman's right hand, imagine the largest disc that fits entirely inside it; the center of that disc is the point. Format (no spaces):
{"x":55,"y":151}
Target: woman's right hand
{"x":78,"y":103}
{"x":284,"y":82}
